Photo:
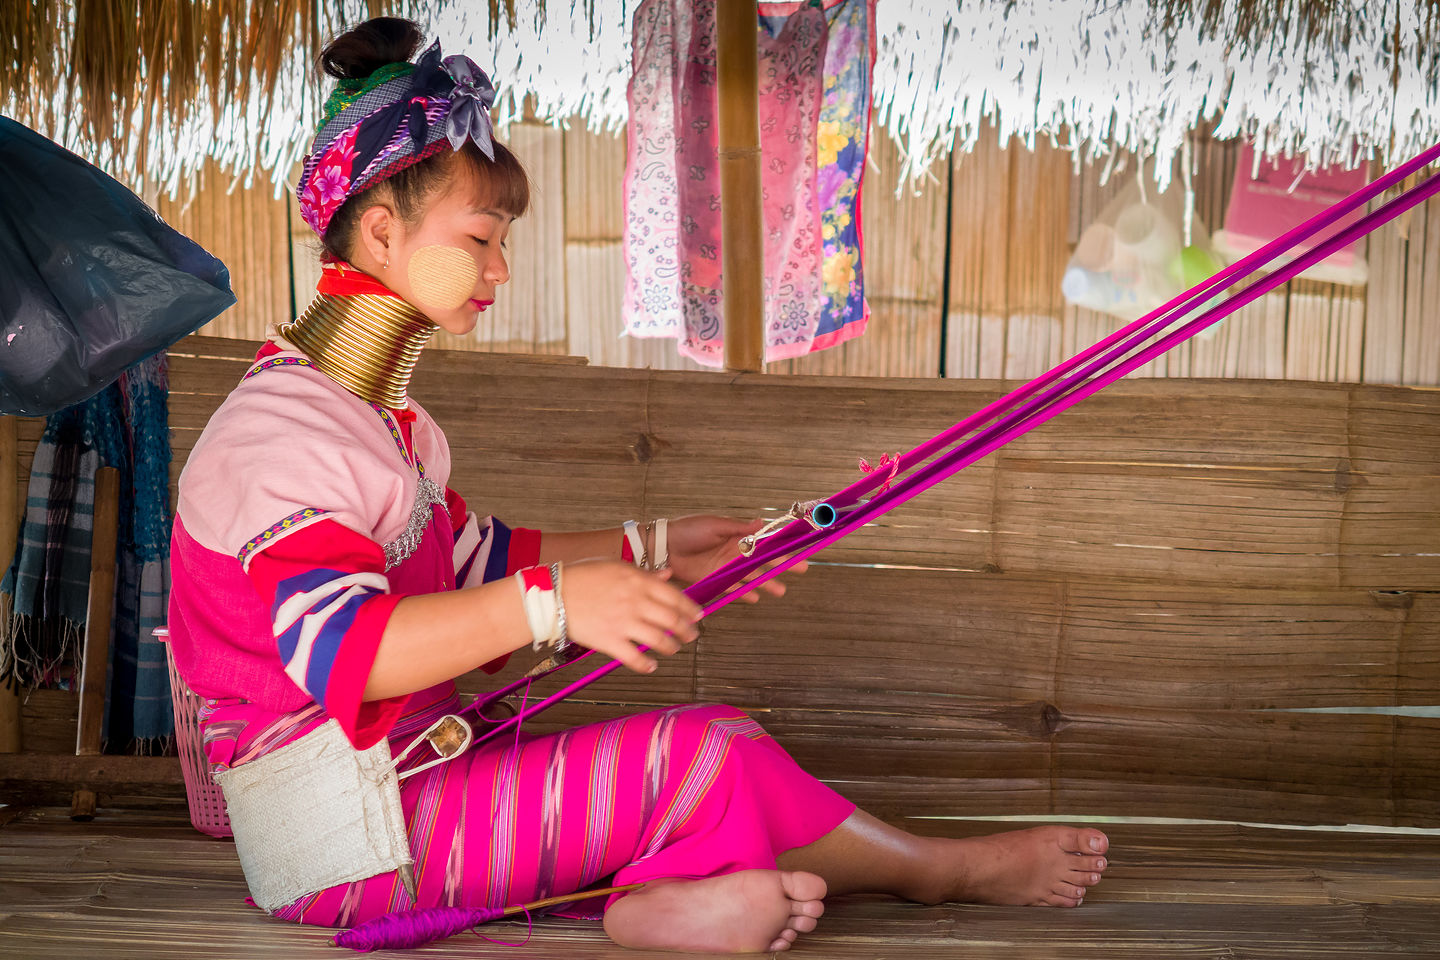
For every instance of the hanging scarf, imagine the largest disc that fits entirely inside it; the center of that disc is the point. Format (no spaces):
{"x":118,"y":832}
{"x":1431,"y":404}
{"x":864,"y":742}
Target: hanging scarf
{"x":815,"y":66}
{"x":47,"y":587}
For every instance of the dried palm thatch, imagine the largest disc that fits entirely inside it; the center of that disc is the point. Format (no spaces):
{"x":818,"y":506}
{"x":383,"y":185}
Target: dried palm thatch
{"x":1332,"y":80}
{"x":151,"y":88}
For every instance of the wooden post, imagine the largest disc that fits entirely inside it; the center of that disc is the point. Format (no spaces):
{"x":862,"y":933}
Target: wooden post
{"x":9,"y":536}
{"x":96,"y":652}
{"x":742,"y":252}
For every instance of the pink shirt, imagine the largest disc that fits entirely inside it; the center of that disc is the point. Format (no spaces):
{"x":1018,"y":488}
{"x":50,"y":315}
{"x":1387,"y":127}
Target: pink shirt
{"x":281,"y":585}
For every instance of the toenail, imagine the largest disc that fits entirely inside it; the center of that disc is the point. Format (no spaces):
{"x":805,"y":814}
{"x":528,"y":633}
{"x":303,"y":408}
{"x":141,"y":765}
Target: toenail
{"x":1094,"y":878}
{"x":1094,"y":843}
{"x":1100,"y":864}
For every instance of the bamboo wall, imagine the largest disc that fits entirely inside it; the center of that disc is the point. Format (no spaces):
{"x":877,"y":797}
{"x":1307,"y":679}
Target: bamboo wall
{"x":1013,"y":217}
{"x":1134,"y":610}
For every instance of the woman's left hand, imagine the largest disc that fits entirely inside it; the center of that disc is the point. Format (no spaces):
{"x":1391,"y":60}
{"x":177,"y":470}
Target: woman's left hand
{"x":699,"y":545}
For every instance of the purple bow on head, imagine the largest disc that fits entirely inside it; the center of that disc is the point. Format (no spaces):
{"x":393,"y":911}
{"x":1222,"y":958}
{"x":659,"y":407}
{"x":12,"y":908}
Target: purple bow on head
{"x":469,"y":117}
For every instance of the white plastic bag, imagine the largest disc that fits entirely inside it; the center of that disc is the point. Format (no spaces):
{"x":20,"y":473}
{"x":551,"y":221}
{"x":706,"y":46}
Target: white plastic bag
{"x":1134,"y":256}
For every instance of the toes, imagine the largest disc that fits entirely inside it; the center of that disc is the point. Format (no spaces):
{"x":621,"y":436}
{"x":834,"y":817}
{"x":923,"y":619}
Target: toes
{"x":1055,"y":900}
{"x":799,"y":885}
{"x":802,"y":925}
{"x":806,"y":908}
{"x":1069,"y":892}
{"x":1089,"y":864}
{"x":1084,"y":840}
{"x":778,"y":945}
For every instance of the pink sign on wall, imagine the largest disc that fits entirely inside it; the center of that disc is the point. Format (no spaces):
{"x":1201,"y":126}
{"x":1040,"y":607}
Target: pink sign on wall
{"x":1267,"y":204}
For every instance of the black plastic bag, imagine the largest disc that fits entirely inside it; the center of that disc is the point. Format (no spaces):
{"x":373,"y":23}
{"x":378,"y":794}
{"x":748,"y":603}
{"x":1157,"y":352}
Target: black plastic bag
{"x":91,"y":279}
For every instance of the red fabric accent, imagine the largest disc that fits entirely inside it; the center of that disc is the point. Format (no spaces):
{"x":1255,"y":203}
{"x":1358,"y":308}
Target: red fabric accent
{"x":496,"y":665}
{"x":268,"y":349}
{"x":365,"y":722}
{"x":537,"y":577}
{"x":341,"y":279}
{"x":524,"y":550}
{"x":626,"y":554}
{"x":325,"y":544}
{"x":455,"y":505}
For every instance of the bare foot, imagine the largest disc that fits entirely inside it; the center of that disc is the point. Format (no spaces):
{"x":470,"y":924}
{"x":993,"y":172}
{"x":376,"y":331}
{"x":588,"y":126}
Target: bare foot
{"x":1044,"y":866}
{"x":752,"y":911}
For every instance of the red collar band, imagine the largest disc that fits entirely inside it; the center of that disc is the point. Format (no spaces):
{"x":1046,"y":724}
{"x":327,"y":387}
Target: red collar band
{"x":343,"y":280}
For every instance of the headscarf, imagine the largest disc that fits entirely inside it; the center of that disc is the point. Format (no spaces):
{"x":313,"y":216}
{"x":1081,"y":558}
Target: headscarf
{"x":393,"y":119}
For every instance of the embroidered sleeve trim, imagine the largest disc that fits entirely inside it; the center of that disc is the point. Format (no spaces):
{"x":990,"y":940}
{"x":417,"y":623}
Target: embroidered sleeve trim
{"x":288,"y":525}
{"x":276,"y":362}
{"x":399,"y":439}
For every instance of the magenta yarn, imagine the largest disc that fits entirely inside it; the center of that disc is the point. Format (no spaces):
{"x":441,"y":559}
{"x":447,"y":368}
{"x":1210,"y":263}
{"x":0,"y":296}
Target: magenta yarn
{"x":413,"y":928}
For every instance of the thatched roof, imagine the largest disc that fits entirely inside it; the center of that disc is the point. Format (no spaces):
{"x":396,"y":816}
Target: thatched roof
{"x":156,"y":86}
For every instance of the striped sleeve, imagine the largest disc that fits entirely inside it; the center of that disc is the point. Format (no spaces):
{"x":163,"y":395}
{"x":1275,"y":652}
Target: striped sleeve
{"x":486,"y":549}
{"x":329,"y":602}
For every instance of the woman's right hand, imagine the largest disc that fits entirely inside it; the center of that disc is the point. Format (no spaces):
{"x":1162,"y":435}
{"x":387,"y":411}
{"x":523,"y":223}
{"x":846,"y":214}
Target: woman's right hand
{"x":614,"y":608}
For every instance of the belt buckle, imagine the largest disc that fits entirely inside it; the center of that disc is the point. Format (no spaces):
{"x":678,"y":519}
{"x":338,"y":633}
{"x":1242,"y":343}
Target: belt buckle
{"x":448,"y":736}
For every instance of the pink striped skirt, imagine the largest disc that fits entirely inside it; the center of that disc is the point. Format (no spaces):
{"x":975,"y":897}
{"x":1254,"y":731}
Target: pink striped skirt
{"x":683,"y":792}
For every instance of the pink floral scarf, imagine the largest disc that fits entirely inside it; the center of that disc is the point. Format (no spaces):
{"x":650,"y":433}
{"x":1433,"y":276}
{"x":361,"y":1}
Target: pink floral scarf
{"x":815,"y":70}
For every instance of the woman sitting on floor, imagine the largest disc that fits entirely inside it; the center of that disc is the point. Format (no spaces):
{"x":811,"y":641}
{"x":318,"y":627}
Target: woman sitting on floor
{"x":327,"y":578}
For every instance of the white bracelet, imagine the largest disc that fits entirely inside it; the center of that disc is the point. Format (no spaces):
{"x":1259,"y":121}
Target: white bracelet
{"x":544,"y":610}
{"x":560,"y":640}
{"x":660,"y":548}
{"x":637,"y":544}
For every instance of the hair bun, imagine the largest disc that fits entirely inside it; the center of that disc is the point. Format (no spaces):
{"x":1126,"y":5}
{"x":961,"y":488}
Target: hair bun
{"x":359,"y":52}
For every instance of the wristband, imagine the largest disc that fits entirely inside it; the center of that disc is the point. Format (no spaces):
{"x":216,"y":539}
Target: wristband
{"x":562,"y":627}
{"x":659,"y":544}
{"x":544,"y":610}
{"x":635,"y":544}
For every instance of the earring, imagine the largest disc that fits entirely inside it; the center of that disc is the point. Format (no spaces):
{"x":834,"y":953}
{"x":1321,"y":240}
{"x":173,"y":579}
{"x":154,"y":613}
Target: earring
{"x":386,"y":265}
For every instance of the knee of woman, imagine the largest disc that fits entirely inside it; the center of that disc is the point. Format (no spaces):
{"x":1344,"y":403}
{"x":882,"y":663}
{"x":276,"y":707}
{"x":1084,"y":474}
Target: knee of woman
{"x":697,"y":717}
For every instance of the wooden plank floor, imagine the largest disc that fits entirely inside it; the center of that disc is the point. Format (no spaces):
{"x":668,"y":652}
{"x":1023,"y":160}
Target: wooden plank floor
{"x":143,"y":884}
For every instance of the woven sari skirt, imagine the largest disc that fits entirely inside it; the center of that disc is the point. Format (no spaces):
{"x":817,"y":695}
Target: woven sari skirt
{"x":683,"y":792}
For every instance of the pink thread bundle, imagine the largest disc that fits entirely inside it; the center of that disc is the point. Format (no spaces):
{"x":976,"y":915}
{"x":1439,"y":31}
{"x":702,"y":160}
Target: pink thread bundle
{"x":404,"y":929}
{"x":415,"y":928}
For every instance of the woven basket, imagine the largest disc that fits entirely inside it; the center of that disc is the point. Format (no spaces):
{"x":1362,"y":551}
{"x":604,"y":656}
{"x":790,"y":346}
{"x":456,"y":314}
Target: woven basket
{"x":207,"y":804}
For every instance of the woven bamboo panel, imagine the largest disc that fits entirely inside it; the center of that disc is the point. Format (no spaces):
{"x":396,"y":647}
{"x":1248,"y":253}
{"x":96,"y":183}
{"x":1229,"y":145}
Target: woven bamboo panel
{"x":248,"y":229}
{"x":1131,"y":611}
{"x":1015,"y":215}
{"x":594,"y":172}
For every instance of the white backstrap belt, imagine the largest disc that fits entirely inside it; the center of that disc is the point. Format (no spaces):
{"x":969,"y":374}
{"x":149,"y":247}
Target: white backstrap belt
{"x":317,"y":812}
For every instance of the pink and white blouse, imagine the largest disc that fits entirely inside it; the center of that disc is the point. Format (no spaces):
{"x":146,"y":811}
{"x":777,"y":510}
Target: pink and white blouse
{"x":301,"y":510}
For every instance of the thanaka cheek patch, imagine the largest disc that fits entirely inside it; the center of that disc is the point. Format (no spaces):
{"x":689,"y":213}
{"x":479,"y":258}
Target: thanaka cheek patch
{"x":441,"y":277}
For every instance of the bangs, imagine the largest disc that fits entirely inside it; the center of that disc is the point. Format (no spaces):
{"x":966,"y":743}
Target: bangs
{"x":502,"y":181}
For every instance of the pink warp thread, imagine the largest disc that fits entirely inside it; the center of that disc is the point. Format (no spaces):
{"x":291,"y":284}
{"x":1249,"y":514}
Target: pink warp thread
{"x":889,"y":462}
{"x":529,"y":932}
{"x":1030,"y":405}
